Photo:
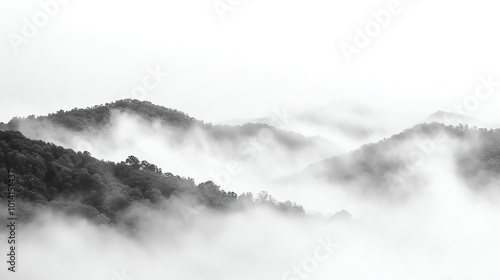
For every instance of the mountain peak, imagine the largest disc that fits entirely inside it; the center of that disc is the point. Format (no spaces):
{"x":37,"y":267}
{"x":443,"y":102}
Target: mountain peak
{"x":79,"y":119}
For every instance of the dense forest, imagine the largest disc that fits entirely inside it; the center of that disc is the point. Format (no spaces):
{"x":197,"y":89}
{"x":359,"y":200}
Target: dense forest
{"x":100,"y":117}
{"x":76,"y":183}
{"x":376,"y":166}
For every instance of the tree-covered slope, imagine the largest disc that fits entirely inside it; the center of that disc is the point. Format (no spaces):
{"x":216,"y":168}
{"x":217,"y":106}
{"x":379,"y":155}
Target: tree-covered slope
{"x":182,"y":129}
{"x":100,"y":115}
{"x":378,"y":166}
{"x":74,"y":182}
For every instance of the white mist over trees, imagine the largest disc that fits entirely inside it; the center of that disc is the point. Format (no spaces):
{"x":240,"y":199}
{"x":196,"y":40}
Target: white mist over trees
{"x":438,"y":222}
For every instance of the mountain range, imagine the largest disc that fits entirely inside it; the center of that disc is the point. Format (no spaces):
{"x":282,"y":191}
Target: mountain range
{"x":122,"y":131}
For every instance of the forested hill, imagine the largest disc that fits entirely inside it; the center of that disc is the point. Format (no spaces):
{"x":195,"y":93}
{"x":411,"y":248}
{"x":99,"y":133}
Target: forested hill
{"x":378,"y":166}
{"x":61,"y":179}
{"x":99,"y":115}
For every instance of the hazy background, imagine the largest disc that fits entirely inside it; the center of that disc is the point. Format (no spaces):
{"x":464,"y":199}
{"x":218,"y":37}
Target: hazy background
{"x":265,"y":54}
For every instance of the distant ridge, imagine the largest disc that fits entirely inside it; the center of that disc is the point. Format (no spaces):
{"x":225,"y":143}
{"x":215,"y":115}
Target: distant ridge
{"x":448,"y":118}
{"x":377,"y":166}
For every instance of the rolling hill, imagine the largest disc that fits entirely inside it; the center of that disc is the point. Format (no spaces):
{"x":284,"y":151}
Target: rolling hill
{"x":52,"y":177}
{"x":392,"y":162}
{"x":114,"y":130}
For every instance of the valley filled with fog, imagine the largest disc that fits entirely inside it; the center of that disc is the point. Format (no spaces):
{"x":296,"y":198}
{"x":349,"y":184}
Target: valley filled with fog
{"x":249,"y":140}
{"x":421,"y":204}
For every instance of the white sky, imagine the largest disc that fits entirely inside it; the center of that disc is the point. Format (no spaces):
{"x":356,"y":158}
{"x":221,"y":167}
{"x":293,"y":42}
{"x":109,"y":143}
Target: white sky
{"x":265,"y":54}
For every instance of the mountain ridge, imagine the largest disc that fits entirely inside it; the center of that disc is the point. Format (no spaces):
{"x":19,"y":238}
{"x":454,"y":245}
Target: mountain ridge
{"x":108,"y":130}
{"x":381,"y":164}
{"x":50,"y":176}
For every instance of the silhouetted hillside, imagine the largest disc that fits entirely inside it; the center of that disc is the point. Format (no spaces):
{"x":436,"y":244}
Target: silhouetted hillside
{"x":58,"y":178}
{"x":378,"y":166}
{"x":97,"y":116}
{"x":348,"y":124}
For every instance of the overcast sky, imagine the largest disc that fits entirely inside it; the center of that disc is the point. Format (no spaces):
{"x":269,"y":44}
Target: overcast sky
{"x":264,"y":54}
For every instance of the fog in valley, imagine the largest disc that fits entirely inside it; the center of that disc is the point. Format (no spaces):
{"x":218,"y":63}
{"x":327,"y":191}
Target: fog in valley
{"x":259,"y":140}
{"x":431,"y":224}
